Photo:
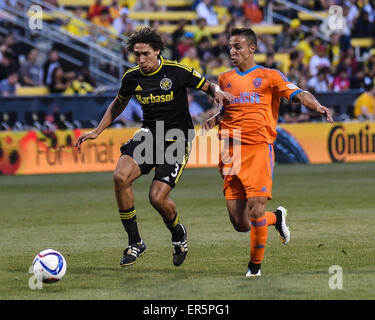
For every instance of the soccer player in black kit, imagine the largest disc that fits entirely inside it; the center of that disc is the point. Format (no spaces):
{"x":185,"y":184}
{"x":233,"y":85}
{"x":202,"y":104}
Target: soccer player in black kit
{"x":160,"y":87}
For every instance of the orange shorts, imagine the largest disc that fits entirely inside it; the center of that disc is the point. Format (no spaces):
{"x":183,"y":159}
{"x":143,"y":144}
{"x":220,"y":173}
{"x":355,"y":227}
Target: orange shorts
{"x":247,"y":170}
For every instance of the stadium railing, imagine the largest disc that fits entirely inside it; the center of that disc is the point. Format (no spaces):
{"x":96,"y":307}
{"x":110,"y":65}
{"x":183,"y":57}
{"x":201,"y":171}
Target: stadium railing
{"x":88,"y":109}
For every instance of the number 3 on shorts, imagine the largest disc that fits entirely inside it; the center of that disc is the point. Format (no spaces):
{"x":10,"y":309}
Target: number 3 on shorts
{"x":174,"y":174}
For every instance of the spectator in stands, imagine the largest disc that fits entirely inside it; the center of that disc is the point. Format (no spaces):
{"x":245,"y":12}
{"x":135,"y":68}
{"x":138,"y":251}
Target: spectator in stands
{"x":114,"y":10}
{"x":319,"y":60}
{"x":7,"y":65}
{"x":95,"y":9}
{"x":270,"y":61}
{"x":31,"y":73}
{"x":357,"y":80}
{"x":8,"y":86}
{"x":363,"y":28}
{"x":293,"y":74}
{"x":202,"y":31}
{"x":252,"y":11}
{"x":235,"y":10}
{"x":334,"y":51}
{"x":306,"y":45}
{"x":206,"y":10}
{"x":122,"y":24}
{"x":291,"y":35}
{"x":191,"y":59}
{"x":296,"y":60}
{"x":186,"y":42}
{"x":170,"y":51}
{"x":222,"y":12}
{"x":103,"y":19}
{"x":370,"y":9}
{"x":146,"y":5}
{"x":59,"y":81}
{"x":370,"y":64}
{"x":179,"y":32}
{"x":218,"y":65}
{"x":204,"y":50}
{"x":352,"y":13}
{"x":222,"y":46}
{"x":50,"y":65}
{"x":320,"y":82}
{"x":341,"y":81}
{"x":76,"y":26}
{"x":364,"y":106}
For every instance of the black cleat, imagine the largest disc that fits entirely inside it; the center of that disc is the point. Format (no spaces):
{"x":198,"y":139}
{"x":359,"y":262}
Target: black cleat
{"x":180,"y":249}
{"x":132,"y":252}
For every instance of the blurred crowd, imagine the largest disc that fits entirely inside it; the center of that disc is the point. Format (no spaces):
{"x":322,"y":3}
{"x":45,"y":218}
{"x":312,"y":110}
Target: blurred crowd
{"x":321,"y":59}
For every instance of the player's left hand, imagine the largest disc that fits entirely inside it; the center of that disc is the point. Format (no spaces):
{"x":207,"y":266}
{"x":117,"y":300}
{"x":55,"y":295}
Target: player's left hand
{"x":325,"y":111}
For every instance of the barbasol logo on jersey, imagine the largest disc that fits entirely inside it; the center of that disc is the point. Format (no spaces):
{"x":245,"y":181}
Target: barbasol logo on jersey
{"x":155,"y":98}
{"x":257,"y":82}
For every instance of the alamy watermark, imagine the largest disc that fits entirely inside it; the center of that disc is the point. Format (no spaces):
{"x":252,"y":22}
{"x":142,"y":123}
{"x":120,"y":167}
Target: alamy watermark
{"x":35,"y":14}
{"x":152,"y":149}
{"x":34,"y":283}
{"x":336,"y":281}
{"x":335,"y":18}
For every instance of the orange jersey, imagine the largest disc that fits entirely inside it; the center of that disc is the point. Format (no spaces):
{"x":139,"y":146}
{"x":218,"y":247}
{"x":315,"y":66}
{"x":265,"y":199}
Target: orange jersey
{"x":255,"y":108}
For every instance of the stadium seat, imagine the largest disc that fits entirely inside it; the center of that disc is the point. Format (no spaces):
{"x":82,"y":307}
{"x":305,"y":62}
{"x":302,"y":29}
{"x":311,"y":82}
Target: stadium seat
{"x":163,"y":16}
{"x":82,"y":3}
{"x":32,"y":91}
{"x":362,"y":42}
{"x":282,"y":58}
{"x":260,"y":29}
{"x":175,"y":3}
{"x":307,"y":17}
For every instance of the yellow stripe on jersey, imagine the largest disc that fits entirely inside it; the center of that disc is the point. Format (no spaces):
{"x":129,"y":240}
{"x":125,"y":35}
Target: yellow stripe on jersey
{"x":130,"y":70}
{"x":186,"y":157}
{"x":199,"y":85}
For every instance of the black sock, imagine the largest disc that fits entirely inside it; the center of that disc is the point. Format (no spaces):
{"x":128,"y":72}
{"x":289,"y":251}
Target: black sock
{"x":175,"y":228}
{"x":129,"y":221}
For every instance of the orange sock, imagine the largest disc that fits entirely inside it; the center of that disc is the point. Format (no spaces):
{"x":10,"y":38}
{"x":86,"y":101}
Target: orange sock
{"x":271,"y":218}
{"x":258,"y":238}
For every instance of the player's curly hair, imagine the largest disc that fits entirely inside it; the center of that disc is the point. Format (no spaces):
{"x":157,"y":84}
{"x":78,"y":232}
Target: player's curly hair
{"x":247,"y":32}
{"x":146,"y":35}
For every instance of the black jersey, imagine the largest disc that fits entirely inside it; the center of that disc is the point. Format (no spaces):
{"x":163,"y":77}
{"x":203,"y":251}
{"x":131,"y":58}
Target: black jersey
{"x":162,"y":94}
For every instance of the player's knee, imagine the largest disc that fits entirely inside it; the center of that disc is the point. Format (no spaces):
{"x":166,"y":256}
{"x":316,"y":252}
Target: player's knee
{"x":156,"y":198}
{"x":121,"y":180}
{"x":240,"y":225}
{"x":256,"y":208}
{"x":257,"y":211}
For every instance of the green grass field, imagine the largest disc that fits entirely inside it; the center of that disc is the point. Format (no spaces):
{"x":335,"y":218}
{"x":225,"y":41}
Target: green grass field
{"x":331,"y":217}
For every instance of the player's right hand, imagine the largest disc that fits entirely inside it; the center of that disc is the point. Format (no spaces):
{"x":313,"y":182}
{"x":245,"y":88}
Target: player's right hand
{"x":91,"y":135}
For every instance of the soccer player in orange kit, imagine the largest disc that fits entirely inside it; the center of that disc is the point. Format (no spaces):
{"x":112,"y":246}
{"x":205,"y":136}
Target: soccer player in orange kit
{"x":248,"y":125}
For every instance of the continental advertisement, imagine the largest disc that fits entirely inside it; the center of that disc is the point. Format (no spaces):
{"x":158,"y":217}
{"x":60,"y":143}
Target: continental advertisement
{"x":35,"y":152}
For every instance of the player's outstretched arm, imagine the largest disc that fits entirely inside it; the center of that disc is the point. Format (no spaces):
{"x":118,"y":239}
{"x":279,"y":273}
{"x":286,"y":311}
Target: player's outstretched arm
{"x":115,"y":108}
{"x":308,"y":100}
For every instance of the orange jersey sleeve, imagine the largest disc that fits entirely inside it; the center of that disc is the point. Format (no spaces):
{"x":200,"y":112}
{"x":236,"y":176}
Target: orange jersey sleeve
{"x":252,"y":116}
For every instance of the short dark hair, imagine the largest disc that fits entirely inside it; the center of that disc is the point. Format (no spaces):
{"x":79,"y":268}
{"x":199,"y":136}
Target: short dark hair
{"x":146,"y":35}
{"x":247,"y":32}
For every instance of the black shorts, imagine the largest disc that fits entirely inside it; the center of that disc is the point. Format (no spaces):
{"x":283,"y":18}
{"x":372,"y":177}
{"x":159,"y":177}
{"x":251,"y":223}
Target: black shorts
{"x":169,"y":158}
